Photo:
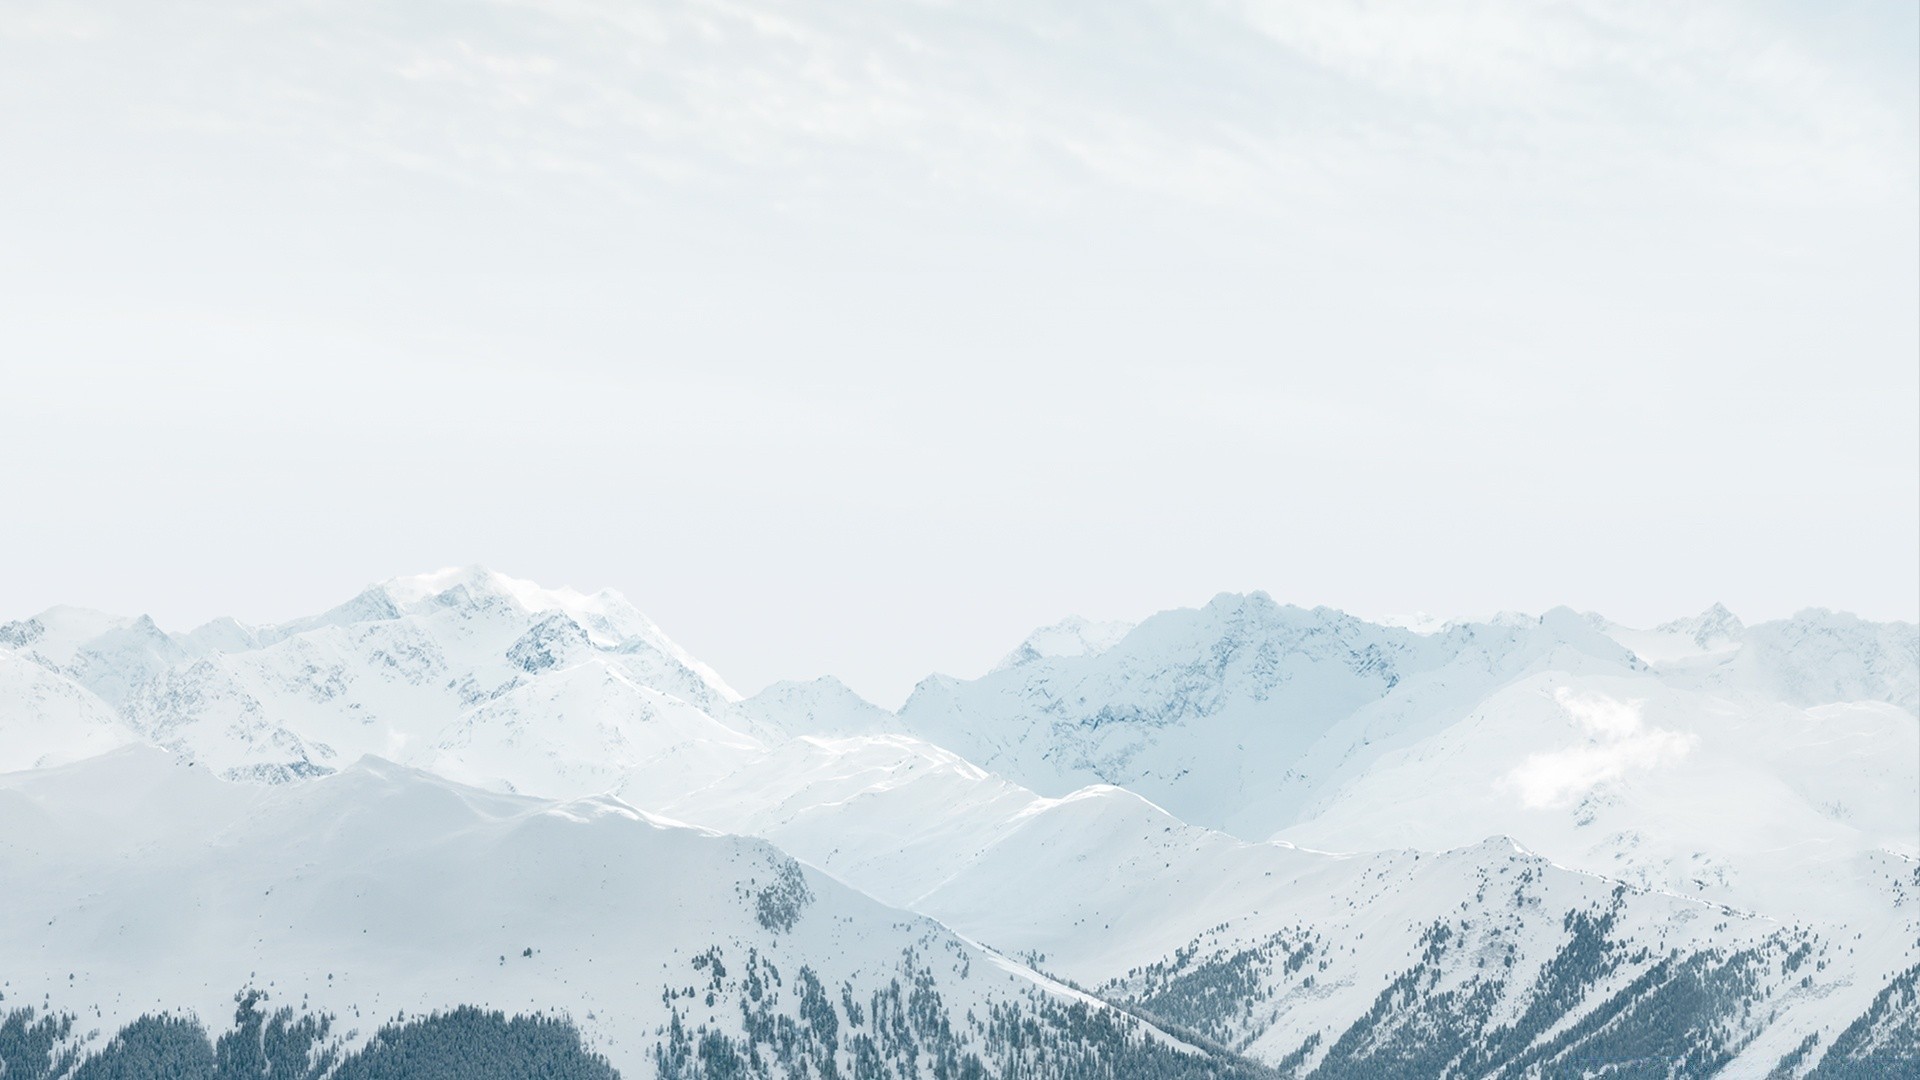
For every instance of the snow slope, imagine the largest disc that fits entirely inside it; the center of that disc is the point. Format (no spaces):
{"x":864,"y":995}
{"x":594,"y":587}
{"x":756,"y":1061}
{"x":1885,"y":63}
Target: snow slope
{"x":46,"y":719}
{"x":1252,"y":717}
{"x":1071,"y":636}
{"x":402,"y":667}
{"x":584,"y":729}
{"x":1264,"y":947}
{"x":143,"y":884}
{"x":108,"y":655}
{"x":1713,"y":632}
{"x":823,"y":706}
{"x":1820,"y":657}
{"x":1689,"y":806}
{"x":1217,"y":713}
{"x":1760,"y":805}
{"x":1817,"y":657}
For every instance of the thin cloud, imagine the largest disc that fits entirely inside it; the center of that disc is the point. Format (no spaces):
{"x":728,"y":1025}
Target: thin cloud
{"x":1619,"y":743}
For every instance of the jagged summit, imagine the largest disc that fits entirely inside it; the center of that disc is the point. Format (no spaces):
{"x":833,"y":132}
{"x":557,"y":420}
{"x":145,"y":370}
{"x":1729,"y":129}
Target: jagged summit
{"x":389,"y":671}
{"x":1216,"y":711}
{"x":1071,"y":636}
{"x":1149,"y":809}
{"x":608,"y":618}
{"x":1418,"y":621}
{"x":1713,"y":627}
{"x":477,"y":584}
{"x":47,"y":719}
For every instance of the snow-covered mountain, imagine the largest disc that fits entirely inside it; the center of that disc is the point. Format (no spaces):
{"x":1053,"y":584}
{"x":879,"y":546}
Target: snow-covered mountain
{"x":1071,"y":636}
{"x":47,"y":719}
{"x":379,"y":891}
{"x":1762,"y":806}
{"x":1819,"y":657}
{"x":1253,"y":717}
{"x":106,"y":654}
{"x":823,"y":706}
{"x":1289,"y":947}
{"x":1292,"y":839}
{"x":584,"y":729}
{"x":1229,"y":715}
{"x":1713,"y":631}
{"x":392,"y":671}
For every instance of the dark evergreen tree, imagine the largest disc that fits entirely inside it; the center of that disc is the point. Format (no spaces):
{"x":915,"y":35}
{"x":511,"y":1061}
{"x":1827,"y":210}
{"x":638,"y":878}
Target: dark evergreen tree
{"x":29,"y":1045}
{"x":151,"y":1048}
{"x":472,"y":1044}
{"x":1884,"y":1043}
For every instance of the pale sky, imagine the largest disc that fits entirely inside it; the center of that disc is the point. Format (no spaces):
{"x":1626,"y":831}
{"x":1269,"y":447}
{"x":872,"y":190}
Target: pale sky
{"x":860,"y":337}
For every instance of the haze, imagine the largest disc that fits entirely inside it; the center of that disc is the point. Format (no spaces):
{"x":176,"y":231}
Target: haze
{"x":863,"y":337}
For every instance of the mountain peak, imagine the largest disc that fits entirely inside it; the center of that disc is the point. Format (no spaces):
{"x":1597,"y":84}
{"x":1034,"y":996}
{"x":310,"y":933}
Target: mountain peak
{"x":1071,"y":636}
{"x":822,"y":706}
{"x":1567,"y":626}
{"x":1714,"y":625}
{"x":1258,"y":599}
{"x":478,"y":582}
{"x":1719,"y":620}
{"x":609,"y":619}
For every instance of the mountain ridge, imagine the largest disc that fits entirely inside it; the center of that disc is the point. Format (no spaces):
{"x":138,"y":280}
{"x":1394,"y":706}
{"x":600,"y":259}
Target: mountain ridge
{"x":1240,"y":820}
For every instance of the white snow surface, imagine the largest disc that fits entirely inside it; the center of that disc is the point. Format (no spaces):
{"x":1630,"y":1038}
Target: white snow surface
{"x":140,"y":883}
{"x":1112,"y":800}
{"x":823,"y":706}
{"x":47,"y":719}
{"x":1071,"y":636}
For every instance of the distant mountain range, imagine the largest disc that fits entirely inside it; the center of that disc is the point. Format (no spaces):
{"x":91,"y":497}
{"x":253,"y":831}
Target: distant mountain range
{"x":1243,"y":839}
